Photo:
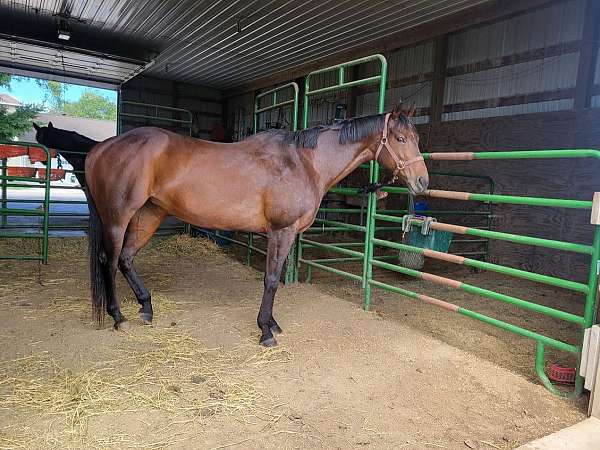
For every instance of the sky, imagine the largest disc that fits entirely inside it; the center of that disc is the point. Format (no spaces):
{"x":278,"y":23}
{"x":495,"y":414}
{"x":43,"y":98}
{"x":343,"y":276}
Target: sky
{"x":27,"y":91}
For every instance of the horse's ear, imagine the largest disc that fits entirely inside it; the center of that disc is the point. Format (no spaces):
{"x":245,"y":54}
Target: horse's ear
{"x":412,"y":110}
{"x":50,"y":125}
{"x":36,"y":126}
{"x":397,"y":110}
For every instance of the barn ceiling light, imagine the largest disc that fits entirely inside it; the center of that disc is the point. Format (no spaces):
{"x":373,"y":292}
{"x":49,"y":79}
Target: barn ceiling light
{"x":65,"y":35}
{"x":64,"y":31}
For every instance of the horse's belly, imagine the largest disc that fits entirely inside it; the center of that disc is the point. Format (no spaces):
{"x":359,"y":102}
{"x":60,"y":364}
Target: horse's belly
{"x":218,"y":212}
{"x":236,"y":202}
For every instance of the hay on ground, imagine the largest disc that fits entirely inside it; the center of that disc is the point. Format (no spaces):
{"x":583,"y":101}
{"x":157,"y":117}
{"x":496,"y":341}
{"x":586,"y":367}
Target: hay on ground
{"x":151,"y":369}
{"x":186,"y":245}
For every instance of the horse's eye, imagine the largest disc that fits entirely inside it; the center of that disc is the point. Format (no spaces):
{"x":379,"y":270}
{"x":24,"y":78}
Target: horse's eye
{"x":401,"y":139}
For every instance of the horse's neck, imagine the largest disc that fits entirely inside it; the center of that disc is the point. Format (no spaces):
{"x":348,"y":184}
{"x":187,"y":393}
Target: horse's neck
{"x":334,"y":161}
{"x":77,"y":143}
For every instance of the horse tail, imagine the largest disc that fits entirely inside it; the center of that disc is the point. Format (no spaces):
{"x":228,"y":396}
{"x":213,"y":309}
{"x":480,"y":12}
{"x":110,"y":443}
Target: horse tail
{"x":97,"y":257}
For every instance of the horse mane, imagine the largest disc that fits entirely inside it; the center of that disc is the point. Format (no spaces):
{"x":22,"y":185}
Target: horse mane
{"x":76,"y":135}
{"x":66,"y":140}
{"x":351,"y":130}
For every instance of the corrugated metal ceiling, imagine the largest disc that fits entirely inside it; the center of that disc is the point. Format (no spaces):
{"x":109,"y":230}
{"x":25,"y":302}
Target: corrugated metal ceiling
{"x":100,"y":68}
{"x":226,"y":43}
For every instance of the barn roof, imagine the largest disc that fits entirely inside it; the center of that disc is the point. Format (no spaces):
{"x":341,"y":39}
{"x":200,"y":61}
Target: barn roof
{"x":218,"y":43}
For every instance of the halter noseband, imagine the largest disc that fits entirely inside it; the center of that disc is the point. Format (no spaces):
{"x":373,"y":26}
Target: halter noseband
{"x":400,"y":165}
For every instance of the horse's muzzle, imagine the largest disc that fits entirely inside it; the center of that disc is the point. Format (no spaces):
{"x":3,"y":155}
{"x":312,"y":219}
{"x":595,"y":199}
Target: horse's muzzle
{"x":419,"y":185}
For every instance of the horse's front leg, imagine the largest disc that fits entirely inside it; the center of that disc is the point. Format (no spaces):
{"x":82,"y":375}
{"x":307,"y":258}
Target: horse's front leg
{"x":278,"y":247}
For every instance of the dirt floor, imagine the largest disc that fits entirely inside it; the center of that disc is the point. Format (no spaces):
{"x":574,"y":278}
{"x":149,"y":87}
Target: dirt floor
{"x":406,"y":376}
{"x":498,"y":346}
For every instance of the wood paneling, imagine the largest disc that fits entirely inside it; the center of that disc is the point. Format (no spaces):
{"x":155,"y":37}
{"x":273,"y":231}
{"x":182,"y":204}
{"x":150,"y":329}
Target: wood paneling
{"x":587,"y":54}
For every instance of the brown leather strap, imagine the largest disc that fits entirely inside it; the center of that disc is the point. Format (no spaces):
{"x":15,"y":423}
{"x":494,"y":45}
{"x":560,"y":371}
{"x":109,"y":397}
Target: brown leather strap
{"x":383,"y":143}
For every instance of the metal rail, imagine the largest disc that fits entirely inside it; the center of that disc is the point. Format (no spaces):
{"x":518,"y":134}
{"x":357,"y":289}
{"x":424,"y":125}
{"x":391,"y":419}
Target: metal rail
{"x":156,"y":108}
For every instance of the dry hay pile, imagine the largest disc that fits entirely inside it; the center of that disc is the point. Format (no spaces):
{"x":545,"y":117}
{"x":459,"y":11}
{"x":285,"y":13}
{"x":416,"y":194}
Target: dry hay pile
{"x":68,"y":248}
{"x":77,"y":247}
{"x":185,"y":245}
{"x":74,"y":305}
{"x":58,"y":248}
{"x":152,"y":371}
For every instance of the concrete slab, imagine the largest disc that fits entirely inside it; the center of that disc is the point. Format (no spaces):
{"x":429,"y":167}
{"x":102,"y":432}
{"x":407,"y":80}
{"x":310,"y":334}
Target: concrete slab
{"x":581,"y":436}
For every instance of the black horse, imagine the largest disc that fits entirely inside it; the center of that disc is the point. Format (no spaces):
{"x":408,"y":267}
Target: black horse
{"x":72,"y":146}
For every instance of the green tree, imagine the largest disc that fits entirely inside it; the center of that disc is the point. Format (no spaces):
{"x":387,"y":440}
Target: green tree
{"x":54,"y":93}
{"x":93,"y":106}
{"x":16,"y":123}
{"x":5,"y":80}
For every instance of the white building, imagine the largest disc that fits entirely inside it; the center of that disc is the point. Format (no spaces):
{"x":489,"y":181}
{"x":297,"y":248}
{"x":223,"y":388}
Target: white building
{"x":9,"y":102}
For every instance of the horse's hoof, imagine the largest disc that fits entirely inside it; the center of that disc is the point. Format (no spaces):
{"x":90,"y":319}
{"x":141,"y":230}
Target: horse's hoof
{"x":123,"y":325}
{"x":146,"y":318}
{"x":276,"y":329}
{"x":270,"y":342}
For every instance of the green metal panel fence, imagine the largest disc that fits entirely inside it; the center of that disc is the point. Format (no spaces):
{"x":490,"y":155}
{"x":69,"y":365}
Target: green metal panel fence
{"x":589,"y":289}
{"x":362,"y":250}
{"x":323,"y":225}
{"x":13,"y":183}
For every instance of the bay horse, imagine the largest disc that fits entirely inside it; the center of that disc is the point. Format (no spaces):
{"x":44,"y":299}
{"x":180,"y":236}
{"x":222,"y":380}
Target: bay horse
{"x":272,"y":182}
{"x":70,"y":145}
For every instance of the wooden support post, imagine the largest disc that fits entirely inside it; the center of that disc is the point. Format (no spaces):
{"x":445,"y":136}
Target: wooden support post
{"x":588,"y":54}
{"x":440,"y":57}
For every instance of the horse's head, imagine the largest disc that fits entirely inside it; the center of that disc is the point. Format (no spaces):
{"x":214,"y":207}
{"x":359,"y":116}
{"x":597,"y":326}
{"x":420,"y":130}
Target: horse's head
{"x":65,"y":140}
{"x":46,"y":135}
{"x":398,"y":150}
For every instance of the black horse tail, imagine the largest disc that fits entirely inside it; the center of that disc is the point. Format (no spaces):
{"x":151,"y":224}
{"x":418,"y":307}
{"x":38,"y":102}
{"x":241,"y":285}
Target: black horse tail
{"x":97,"y":263}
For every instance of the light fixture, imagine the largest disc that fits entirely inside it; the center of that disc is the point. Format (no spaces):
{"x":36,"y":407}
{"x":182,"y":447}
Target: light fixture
{"x":64,"y":32}
{"x":65,"y":35}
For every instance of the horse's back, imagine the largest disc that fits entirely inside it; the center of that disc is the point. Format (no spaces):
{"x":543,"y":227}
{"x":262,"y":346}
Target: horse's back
{"x":259,"y":180}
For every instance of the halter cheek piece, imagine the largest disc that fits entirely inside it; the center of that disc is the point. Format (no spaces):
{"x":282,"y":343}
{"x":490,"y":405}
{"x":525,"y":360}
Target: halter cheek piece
{"x":383,"y":143}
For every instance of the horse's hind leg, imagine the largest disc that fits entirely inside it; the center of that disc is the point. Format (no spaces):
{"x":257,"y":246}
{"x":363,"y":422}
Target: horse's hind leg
{"x":113,"y":243}
{"x":139,"y":231}
{"x":278,"y":247}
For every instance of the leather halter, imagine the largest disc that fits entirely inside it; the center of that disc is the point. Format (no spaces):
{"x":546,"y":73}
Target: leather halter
{"x":383,"y":143}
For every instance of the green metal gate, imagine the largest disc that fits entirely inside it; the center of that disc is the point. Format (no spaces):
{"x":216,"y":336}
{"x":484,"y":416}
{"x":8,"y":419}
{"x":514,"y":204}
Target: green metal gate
{"x":589,"y":289}
{"x":12,"y":183}
{"x":371,"y":239}
{"x":323,"y":225}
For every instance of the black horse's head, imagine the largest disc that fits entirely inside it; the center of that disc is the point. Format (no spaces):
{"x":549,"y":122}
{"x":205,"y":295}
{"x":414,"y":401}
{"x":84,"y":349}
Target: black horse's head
{"x":58,"y":139}
{"x":71,"y":145}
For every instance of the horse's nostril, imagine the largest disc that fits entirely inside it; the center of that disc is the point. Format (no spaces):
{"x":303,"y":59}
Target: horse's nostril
{"x":423,"y":182}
